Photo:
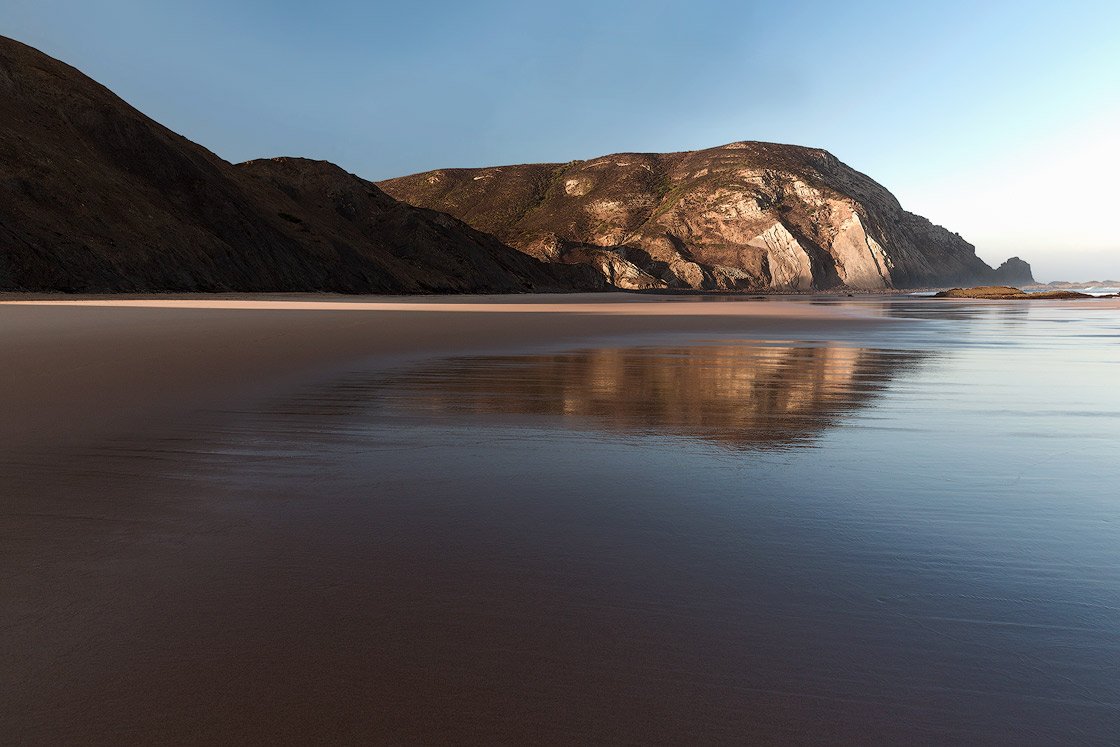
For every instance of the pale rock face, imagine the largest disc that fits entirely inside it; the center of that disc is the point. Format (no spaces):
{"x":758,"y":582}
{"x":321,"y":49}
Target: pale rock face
{"x":622,"y":273}
{"x":729,"y":214}
{"x":789,"y":264}
{"x":734,"y":278}
{"x":860,"y":261}
{"x":882,"y":258}
{"x":686,"y":274}
{"x":488,"y":174}
{"x":577,"y":187}
{"x":806,"y":193}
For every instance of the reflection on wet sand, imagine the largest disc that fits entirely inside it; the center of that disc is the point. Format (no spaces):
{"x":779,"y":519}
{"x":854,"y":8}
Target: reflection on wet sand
{"x":389,"y":555}
{"x":739,"y":395}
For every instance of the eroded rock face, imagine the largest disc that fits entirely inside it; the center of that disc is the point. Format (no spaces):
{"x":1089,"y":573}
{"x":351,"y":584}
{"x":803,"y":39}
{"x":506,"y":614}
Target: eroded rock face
{"x":613,"y":265}
{"x":742,"y":216}
{"x":787,"y":262}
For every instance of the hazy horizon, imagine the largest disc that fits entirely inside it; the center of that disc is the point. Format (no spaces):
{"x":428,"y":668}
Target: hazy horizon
{"x":997,"y":123}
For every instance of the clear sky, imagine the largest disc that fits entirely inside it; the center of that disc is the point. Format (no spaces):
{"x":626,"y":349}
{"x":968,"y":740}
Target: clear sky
{"x":999,"y":120}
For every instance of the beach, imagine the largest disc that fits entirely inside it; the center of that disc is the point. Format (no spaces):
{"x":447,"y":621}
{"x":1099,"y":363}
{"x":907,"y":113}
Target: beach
{"x":586,"y":518}
{"x":78,"y":367}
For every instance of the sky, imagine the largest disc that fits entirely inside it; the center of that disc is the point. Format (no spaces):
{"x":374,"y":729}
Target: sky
{"x":999,"y":120}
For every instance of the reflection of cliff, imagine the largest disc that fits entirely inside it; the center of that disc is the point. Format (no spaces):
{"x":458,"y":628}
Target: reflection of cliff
{"x":738,"y":395}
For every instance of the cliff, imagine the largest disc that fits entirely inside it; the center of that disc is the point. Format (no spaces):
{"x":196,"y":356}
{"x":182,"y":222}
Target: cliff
{"x":95,"y":196}
{"x":743,"y":216}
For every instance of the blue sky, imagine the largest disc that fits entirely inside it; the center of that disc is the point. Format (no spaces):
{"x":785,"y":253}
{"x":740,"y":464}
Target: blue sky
{"x":997,"y":119}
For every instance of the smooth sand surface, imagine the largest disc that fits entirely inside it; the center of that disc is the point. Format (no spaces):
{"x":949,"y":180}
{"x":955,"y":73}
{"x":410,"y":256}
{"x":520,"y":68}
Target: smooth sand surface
{"x":570,"y":304}
{"x":76,"y":368}
{"x":118,"y":576}
{"x":555,"y":519}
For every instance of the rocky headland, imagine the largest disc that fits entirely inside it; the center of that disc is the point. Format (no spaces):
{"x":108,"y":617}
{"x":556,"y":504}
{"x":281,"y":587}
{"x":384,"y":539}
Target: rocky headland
{"x":743,"y":216}
{"x":97,"y":197}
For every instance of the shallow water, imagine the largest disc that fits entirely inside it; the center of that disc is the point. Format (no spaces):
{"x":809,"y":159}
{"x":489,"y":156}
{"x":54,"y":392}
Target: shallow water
{"x":1091,"y":290}
{"x":909,"y":533}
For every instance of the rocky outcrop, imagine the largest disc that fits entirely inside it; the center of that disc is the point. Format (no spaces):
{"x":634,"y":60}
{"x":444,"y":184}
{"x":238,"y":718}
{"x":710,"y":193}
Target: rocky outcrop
{"x":94,"y":196}
{"x":1013,"y":272}
{"x":1007,"y":293}
{"x":742,"y":216}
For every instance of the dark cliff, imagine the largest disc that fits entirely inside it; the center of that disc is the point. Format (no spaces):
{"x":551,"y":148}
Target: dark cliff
{"x":95,"y":196}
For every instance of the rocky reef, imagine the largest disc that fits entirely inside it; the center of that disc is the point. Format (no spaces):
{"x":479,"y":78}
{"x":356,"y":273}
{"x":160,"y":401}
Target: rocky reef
{"x":1007,"y":293}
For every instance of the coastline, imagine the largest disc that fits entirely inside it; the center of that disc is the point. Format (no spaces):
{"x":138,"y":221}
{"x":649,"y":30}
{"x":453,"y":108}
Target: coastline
{"x":83,"y":368}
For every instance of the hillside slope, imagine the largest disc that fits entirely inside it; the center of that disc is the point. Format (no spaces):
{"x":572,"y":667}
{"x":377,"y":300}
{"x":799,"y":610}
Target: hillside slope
{"x":746,"y":215}
{"x":95,"y":196}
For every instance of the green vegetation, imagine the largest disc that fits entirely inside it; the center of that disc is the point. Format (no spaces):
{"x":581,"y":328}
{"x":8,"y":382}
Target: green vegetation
{"x":668,"y":200}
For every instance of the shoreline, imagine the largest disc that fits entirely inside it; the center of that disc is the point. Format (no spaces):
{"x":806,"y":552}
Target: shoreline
{"x":247,"y":522}
{"x":81,"y":369}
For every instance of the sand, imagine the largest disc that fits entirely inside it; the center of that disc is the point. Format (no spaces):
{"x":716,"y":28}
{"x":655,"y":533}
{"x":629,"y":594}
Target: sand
{"x":82,"y":368}
{"x":77,"y":368}
{"x":216,"y":526}
{"x":118,"y":577}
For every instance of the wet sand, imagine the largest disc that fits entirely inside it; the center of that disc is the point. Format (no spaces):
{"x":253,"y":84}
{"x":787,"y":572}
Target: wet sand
{"x":92,"y":526}
{"x":558,"y":520}
{"x":76,"y":368}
